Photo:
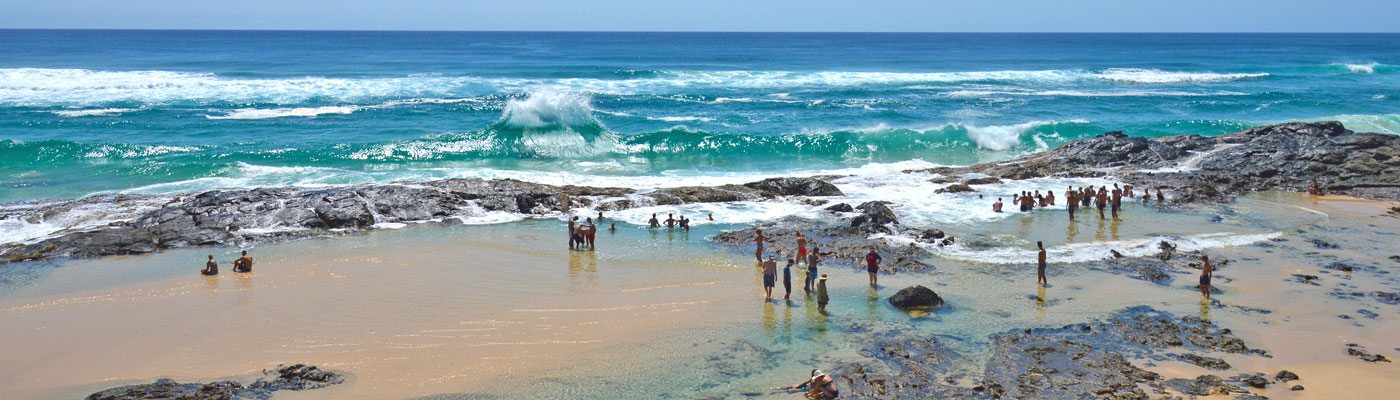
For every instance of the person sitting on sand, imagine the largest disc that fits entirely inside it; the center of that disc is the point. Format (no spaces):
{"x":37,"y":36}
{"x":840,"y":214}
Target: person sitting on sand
{"x":812,"y":259}
{"x":758,"y":239}
{"x":1315,"y":188}
{"x":787,"y":279}
{"x":872,"y":265}
{"x":770,"y":272}
{"x":244,"y":263}
{"x":801,"y":247}
{"x":822,"y":297}
{"x":996,"y":207}
{"x":1040,"y":265}
{"x":819,"y":387}
{"x":1207,"y":271}
{"x":211,"y":267}
{"x":653,"y":222}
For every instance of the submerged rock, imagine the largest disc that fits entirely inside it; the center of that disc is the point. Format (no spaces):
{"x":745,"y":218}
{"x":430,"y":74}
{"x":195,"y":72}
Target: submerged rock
{"x":915,"y":297}
{"x":294,"y":378}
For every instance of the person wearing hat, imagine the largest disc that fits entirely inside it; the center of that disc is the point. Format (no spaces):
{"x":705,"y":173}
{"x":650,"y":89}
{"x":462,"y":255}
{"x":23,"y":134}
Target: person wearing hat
{"x":819,"y":386}
{"x":822,"y":298}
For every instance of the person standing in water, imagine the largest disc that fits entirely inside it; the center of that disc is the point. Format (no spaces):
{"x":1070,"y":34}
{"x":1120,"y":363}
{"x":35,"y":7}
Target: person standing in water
{"x":592,"y":234}
{"x":801,"y":247}
{"x":1101,"y":201}
{"x":712,"y":217}
{"x":787,"y":279}
{"x":1207,"y":271}
{"x":573,"y":232}
{"x":812,"y":260}
{"x":653,"y":222}
{"x":211,"y":267}
{"x":770,"y":272}
{"x":759,"y":239}
{"x":670,"y":220}
{"x":244,"y":263}
{"x":822,"y":297}
{"x":1071,"y":202}
{"x":1040,"y":265}
{"x":996,"y":207}
{"x":1161,"y":198}
{"x":1117,"y":201}
{"x":1050,"y":197}
{"x":612,"y":228}
{"x":872,"y":265}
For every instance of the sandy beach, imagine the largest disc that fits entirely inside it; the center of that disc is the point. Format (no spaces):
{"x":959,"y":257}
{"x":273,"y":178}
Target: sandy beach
{"x":506,"y":310}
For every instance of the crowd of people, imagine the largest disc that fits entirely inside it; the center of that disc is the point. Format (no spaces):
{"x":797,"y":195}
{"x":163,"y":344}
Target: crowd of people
{"x":1103,"y":198}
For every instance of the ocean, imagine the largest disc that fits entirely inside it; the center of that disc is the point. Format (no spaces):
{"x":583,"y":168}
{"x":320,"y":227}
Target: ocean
{"x":92,"y":112}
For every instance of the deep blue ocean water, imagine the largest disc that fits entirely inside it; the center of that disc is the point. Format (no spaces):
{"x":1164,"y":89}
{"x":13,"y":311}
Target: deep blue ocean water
{"x":85,"y":112}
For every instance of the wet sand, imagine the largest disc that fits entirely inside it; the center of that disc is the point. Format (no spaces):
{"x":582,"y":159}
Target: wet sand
{"x":506,"y":310}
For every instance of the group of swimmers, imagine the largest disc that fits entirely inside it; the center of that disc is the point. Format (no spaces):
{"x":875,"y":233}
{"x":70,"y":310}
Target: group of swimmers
{"x":583,"y":235}
{"x":242,"y":264}
{"x":673,"y":222}
{"x":1083,"y":197}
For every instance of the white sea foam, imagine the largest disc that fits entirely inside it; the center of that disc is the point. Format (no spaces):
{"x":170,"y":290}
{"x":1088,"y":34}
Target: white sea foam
{"x":1087,"y":93}
{"x":261,"y":113}
{"x":1368,"y":68}
{"x":1094,"y":251}
{"x":47,"y":86}
{"x":23,"y":225}
{"x":136,"y":151}
{"x":91,"y":112}
{"x":1003,"y":137}
{"x":681,"y":119}
{"x":1378,"y":123}
{"x":1160,"y":77}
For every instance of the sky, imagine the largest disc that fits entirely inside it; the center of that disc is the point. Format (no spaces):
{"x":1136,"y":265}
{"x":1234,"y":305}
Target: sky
{"x":714,"y":15}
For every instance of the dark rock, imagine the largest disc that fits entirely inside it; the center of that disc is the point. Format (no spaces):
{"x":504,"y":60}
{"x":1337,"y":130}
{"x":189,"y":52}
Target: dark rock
{"x":915,"y":297}
{"x":931,"y":235}
{"x":875,"y":216}
{"x":1336,"y":266}
{"x":290,"y":378}
{"x":1204,"y":385}
{"x":1391,"y":298}
{"x":1305,"y":278}
{"x":1296,"y":388}
{"x":1322,"y":244}
{"x":1285,"y":376}
{"x":1257,"y":381}
{"x":1356,"y":351}
{"x":1205,"y":362}
{"x":795,"y":187}
{"x":841,"y":208}
{"x":955,"y":188}
{"x":990,"y":180}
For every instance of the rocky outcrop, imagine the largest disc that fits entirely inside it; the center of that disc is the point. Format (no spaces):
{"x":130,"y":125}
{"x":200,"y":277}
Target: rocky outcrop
{"x":231,"y":217}
{"x":1087,"y":360}
{"x":1196,"y":168}
{"x":915,"y":297}
{"x":292,"y":378}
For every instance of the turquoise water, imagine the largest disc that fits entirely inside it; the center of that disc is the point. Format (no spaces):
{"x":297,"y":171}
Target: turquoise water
{"x":83,"y":112}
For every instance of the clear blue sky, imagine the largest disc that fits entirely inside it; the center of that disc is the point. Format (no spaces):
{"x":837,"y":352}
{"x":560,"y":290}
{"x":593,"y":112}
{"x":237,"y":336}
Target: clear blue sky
{"x":716,"y":15}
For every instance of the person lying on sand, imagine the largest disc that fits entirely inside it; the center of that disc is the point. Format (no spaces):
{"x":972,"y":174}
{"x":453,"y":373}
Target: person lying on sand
{"x":820,"y":386}
{"x":211,"y":267}
{"x":244,"y":263}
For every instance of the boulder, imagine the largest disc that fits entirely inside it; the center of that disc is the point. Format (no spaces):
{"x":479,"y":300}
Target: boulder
{"x":915,"y":297}
{"x":772,"y":187}
{"x":955,"y":188}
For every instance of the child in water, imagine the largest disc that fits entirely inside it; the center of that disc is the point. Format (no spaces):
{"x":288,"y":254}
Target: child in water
{"x":822,"y":297}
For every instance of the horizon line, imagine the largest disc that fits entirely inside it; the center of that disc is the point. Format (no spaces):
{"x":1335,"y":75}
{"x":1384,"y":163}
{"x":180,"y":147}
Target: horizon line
{"x":691,"y":31}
